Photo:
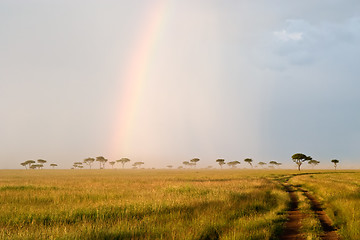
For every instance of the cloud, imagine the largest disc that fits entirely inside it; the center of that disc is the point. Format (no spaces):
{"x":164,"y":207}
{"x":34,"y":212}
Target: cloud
{"x":288,"y":36}
{"x":301,"y":42}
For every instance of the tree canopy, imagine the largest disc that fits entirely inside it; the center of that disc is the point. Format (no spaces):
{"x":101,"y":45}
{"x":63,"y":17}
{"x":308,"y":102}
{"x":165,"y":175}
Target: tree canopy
{"x":101,"y":161}
{"x":53,"y":165}
{"x":194,"y":161}
{"x":221,"y":162}
{"x":89,"y":161}
{"x":112,"y":163}
{"x":137,"y":164}
{"x":335,"y":162}
{"x":123,"y":161}
{"x":313,"y":162}
{"x":233,"y":164}
{"x":249,"y":161}
{"x":300,"y":158}
{"x":262,"y":163}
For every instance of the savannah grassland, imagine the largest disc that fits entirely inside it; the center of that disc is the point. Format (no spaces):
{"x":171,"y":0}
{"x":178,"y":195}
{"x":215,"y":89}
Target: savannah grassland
{"x":169,"y":204}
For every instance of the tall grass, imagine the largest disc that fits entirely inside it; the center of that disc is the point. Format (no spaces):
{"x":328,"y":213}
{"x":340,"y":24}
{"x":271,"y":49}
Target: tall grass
{"x":340,"y":194}
{"x":140,"y":204}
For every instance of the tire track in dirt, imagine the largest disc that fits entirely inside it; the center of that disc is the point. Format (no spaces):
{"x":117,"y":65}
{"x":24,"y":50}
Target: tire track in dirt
{"x":293,"y":224}
{"x":326,"y":223}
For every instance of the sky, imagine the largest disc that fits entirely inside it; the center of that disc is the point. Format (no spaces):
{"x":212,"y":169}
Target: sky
{"x":165,"y":81}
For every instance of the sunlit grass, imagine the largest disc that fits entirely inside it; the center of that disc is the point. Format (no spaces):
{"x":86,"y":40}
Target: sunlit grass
{"x":169,"y":204}
{"x":340,"y":194}
{"x":140,"y":204}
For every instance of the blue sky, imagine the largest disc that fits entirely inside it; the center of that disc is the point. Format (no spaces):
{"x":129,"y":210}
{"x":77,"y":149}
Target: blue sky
{"x":227,"y":79}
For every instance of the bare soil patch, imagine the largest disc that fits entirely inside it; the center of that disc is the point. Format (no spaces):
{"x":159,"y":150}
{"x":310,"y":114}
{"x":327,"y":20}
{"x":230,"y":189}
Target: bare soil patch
{"x":292,"y":226}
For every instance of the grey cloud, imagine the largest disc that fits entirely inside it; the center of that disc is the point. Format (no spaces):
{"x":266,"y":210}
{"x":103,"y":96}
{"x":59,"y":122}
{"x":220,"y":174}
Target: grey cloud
{"x":318,"y":41}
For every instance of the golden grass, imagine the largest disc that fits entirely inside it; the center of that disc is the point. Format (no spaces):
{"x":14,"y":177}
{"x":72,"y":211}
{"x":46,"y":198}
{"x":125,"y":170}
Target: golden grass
{"x":339,"y":191}
{"x":139,"y":204}
{"x":169,"y":204}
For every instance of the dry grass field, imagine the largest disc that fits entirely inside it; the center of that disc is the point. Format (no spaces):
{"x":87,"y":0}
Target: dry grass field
{"x":167,"y":204}
{"x":339,"y":193}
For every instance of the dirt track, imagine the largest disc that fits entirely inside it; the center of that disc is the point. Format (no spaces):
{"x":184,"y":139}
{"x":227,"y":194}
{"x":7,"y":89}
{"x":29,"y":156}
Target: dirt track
{"x":326,"y":223}
{"x":293,"y":225}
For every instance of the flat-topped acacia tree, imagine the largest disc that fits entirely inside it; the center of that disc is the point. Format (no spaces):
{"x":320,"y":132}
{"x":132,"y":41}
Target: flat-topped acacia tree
{"x":29,"y":163}
{"x":136,"y":164}
{"x":112,"y":163}
{"x":313,"y":162}
{"x":262,"y":164}
{"x":36,"y":166}
{"x":221,"y":162}
{"x":41,"y":162}
{"x":78,"y":165}
{"x":300,"y":158}
{"x":24,"y":164}
{"x":102,"y":161}
{"x":123,"y":161}
{"x":53,"y":165}
{"x":89,"y":161}
{"x":249,"y":161}
{"x":274,"y":163}
{"x":233,"y":164}
{"x":194,"y":161}
{"x":186,"y":163}
{"x":335,"y":162}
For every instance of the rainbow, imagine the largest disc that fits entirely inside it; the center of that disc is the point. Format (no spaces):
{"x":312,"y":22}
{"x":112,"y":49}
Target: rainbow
{"x":133,"y":82}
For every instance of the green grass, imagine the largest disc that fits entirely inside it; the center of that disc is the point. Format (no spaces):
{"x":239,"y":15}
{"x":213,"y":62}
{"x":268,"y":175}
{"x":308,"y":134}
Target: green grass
{"x":169,"y":204}
{"x":139,"y":204}
{"x":340,"y":194}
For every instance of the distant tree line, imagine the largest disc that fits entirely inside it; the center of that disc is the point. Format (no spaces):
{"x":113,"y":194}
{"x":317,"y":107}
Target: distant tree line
{"x":300,"y":158}
{"x":102,"y":162}
{"x":297,"y":158}
{"x":39,"y":164}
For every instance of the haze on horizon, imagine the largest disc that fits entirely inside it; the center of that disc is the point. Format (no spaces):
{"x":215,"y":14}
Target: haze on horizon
{"x":224,"y":79}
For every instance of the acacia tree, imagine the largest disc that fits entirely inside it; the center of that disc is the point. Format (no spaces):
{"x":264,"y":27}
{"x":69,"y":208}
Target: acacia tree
{"x":262,"y":164}
{"x":112,"y":163}
{"x":335,"y":162}
{"x":233,"y":164}
{"x":24,"y":164}
{"x":274,"y":163}
{"x":89,"y":161}
{"x":194,"y":161}
{"x":53,"y":165}
{"x":249,"y":161}
{"x":221,"y":162}
{"x":29,"y":163}
{"x":101,"y":161}
{"x":36,"y":166}
{"x":123,"y":161}
{"x":313,"y":162}
{"x":33,"y":166}
{"x":300,"y":158}
{"x":169,"y":166}
{"x":41,"y":162}
{"x":136,"y":164}
{"x":186,"y":163}
{"x":78,"y":165}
